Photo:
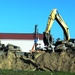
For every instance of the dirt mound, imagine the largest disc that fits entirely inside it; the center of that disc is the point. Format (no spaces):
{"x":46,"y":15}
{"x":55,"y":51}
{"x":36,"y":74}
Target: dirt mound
{"x":11,"y":61}
{"x":57,"y":62}
{"x":64,"y":60}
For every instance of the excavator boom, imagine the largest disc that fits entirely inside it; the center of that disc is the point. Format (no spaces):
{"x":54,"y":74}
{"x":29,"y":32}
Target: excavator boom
{"x":50,"y":20}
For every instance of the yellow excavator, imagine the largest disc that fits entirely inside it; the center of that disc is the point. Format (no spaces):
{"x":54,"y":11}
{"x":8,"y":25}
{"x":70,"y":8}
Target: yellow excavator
{"x":47,"y":37}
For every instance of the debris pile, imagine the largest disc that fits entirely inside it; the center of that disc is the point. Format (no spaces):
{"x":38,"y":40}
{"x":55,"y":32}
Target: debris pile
{"x":63,"y":59}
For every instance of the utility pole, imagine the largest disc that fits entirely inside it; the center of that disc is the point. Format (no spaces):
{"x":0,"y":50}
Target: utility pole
{"x":36,"y":36}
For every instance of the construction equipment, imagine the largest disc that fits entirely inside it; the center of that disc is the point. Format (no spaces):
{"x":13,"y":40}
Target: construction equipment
{"x":36,"y":38}
{"x":47,"y":38}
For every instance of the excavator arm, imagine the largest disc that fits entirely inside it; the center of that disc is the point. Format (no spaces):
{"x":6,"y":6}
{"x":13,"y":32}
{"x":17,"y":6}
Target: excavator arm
{"x":55,"y":16}
{"x":64,"y":26}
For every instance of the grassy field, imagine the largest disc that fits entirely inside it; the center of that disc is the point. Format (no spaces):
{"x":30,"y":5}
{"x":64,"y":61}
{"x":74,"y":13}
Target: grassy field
{"x":20,"y":72}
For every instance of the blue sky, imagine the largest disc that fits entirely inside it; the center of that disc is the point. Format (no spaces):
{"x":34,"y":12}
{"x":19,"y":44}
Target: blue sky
{"x":20,"y":16}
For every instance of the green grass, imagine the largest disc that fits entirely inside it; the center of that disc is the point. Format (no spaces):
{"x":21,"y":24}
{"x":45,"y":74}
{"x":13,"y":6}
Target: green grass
{"x":21,"y":72}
